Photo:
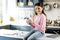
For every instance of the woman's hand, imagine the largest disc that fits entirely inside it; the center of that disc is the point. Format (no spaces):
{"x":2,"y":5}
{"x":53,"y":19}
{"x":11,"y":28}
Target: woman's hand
{"x":30,"y":21}
{"x":32,"y":18}
{"x":32,"y":14}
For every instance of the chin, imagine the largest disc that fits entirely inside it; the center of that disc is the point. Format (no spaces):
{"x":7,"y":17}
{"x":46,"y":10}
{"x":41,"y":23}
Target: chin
{"x":39,"y":12}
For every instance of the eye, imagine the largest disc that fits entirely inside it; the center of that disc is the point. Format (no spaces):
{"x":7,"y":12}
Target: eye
{"x":38,"y":8}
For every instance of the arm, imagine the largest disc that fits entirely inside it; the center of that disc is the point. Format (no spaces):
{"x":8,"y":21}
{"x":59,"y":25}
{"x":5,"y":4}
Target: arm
{"x":32,"y":20}
{"x":42,"y":24}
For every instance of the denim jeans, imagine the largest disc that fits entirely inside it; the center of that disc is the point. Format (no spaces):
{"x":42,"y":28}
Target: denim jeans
{"x":34,"y":34}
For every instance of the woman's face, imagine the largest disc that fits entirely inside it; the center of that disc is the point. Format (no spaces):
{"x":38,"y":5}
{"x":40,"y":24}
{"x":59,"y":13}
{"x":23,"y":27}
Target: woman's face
{"x":38,"y":9}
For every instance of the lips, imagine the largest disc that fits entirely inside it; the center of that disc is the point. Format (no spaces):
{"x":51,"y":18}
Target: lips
{"x":38,"y":10}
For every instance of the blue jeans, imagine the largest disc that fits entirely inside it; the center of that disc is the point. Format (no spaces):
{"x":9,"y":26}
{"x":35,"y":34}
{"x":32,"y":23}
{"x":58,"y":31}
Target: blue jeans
{"x":34,"y":34}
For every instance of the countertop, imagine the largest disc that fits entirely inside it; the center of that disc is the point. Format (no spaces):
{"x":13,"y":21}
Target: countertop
{"x":13,"y":33}
{"x":21,"y":34}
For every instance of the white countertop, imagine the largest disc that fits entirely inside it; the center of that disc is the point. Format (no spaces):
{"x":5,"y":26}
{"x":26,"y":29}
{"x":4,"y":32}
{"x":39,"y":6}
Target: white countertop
{"x":13,"y":33}
{"x":22,"y":34}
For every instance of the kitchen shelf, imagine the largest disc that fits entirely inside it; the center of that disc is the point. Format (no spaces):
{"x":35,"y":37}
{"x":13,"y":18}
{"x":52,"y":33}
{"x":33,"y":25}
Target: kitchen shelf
{"x":25,"y":6}
{"x":53,"y":24}
{"x":27,"y":3}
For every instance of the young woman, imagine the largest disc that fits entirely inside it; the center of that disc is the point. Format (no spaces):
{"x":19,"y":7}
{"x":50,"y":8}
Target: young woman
{"x":38,"y":23}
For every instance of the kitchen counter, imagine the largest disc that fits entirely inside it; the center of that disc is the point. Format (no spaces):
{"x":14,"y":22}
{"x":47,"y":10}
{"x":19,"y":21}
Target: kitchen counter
{"x":20,"y":35}
{"x":53,"y":29}
{"x":8,"y":38}
{"x":13,"y":33}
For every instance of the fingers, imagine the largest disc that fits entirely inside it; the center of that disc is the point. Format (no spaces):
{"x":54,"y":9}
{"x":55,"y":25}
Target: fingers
{"x":28,"y":21}
{"x":32,"y":14}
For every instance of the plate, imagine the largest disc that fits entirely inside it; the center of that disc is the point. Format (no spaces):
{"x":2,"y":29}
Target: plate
{"x":55,"y":5}
{"x":47,"y":7}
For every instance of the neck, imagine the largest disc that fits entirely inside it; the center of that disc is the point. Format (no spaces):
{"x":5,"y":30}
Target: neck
{"x":39,"y":14}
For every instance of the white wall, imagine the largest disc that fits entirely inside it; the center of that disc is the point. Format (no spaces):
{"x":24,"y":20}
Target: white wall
{"x":54,"y":12}
{"x":0,"y":6}
{"x":0,"y":9}
{"x":22,"y":13}
{"x":4,"y":11}
{"x":9,"y":10}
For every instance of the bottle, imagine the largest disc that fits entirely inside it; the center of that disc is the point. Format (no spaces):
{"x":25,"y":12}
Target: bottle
{"x":30,"y":3}
{"x":20,"y":3}
{"x":12,"y":19}
{"x":1,"y":19}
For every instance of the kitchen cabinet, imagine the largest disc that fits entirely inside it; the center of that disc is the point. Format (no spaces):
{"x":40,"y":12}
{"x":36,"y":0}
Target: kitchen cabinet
{"x":28,"y":3}
{"x":53,"y":29}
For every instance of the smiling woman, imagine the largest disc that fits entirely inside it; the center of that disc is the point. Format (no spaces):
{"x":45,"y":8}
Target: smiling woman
{"x":38,"y":23}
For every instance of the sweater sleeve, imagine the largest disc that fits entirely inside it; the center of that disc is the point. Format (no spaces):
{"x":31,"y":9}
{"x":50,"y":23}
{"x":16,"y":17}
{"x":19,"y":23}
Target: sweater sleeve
{"x":32,"y":25}
{"x":42,"y":24}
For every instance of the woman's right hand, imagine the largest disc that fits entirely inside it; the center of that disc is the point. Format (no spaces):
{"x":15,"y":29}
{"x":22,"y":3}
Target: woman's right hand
{"x":30,"y":21}
{"x":32,"y":14}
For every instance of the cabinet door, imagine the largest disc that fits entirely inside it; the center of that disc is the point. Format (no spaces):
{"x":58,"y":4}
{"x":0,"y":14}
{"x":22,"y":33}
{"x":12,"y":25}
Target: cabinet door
{"x":26,"y":3}
{"x":36,"y":1}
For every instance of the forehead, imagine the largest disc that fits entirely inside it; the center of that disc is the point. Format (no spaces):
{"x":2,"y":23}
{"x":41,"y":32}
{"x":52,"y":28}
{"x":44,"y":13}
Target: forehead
{"x":38,"y":7}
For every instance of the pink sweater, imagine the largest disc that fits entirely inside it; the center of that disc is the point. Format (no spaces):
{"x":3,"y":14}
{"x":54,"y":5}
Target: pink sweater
{"x":39,"y":23}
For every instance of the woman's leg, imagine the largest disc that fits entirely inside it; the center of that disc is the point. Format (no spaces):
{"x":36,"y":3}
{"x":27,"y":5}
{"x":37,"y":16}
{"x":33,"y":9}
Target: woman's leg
{"x":35,"y":35}
{"x":33,"y":31}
